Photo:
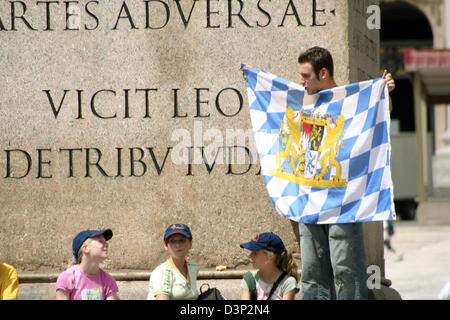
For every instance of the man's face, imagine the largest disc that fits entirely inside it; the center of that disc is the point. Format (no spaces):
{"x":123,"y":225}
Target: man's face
{"x":308,"y":78}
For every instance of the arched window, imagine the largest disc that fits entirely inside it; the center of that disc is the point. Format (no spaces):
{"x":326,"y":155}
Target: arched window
{"x":402,"y":25}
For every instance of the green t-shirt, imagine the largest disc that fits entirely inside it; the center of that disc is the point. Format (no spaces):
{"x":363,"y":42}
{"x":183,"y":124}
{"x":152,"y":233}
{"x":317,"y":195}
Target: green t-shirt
{"x":166,"y":279}
{"x":263,"y":288}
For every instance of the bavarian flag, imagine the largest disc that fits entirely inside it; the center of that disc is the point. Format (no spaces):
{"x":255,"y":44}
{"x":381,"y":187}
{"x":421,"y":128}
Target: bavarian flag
{"x":325,"y":157}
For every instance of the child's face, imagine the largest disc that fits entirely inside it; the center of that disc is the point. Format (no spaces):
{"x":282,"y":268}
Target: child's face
{"x":260,"y":258}
{"x":98,"y":248}
{"x":178,"y":245}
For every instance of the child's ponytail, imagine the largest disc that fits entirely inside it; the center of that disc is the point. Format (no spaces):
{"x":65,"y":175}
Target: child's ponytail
{"x":286,"y":263}
{"x":79,"y":257}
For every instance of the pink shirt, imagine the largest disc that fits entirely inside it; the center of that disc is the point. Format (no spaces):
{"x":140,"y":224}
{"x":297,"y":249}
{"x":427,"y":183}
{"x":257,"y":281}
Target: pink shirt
{"x":81,"y":286}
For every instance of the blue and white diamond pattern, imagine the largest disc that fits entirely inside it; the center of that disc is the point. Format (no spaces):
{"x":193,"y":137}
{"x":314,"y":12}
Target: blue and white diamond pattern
{"x":364,"y":158}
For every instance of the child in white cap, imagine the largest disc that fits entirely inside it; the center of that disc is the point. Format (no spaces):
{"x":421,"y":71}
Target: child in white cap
{"x":85,"y":280}
{"x":276,"y":277}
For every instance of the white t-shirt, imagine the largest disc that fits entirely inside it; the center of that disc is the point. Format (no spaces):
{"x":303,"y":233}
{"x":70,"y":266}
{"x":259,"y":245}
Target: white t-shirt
{"x":263,"y":288}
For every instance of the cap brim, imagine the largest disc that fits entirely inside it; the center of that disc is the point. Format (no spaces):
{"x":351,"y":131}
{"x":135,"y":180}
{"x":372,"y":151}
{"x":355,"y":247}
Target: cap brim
{"x":251,"y":246}
{"x":183,"y":233}
{"x":107,"y":234}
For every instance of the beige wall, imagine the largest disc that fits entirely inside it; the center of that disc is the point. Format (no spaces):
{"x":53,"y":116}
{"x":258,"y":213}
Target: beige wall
{"x":97,"y":68}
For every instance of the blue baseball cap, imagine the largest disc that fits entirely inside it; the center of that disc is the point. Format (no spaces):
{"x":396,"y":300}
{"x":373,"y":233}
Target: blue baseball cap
{"x":83,"y":235}
{"x":177,"y":228}
{"x":267,"y":240}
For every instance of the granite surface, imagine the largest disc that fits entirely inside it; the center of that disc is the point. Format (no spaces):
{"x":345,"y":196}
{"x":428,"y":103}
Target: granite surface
{"x":123,"y":115}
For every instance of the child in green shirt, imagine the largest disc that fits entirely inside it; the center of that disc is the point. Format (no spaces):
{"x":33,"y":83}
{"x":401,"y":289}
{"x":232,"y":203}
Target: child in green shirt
{"x":176,"y":278}
{"x":276,"y":277}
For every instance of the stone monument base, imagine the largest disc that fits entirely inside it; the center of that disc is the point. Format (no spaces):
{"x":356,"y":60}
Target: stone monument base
{"x":385,"y":292}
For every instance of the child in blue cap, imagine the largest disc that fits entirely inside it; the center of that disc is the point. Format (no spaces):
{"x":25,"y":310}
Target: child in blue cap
{"x":276,"y":277}
{"x":176,"y":278}
{"x":85,"y":280}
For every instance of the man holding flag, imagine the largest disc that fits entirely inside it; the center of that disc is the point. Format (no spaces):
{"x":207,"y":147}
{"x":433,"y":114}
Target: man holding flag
{"x":325,"y":159}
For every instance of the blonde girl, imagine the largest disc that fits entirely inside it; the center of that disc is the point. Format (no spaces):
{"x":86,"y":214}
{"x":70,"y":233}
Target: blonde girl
{"x":84,"y":279}
{"x":276,"y":277}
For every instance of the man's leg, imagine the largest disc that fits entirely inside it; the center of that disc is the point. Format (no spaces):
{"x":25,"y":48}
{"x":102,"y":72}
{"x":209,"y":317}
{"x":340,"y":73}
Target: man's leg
{"x":317,"y":276}
{"x":348,"y":258}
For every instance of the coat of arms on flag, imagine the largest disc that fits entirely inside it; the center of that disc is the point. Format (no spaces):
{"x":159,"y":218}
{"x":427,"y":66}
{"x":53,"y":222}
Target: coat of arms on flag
{"x":310,"y":146}
{"x":325,"y":157}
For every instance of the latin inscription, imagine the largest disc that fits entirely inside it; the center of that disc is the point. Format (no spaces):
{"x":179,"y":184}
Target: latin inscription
{"x":231,"y":148}
{"x":157,"y":14}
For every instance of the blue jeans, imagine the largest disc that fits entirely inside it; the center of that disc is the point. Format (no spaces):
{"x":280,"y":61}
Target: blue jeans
{"x":333,"y":261}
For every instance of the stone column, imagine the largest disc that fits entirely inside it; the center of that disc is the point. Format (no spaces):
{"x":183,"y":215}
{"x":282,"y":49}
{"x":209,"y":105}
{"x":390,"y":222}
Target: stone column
{"x":441,"y":158}
{"x":365,"y":64}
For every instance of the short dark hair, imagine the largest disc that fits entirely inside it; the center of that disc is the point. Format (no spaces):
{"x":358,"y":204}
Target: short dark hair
{"x":319,"y":58}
